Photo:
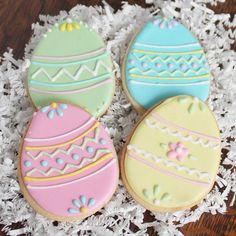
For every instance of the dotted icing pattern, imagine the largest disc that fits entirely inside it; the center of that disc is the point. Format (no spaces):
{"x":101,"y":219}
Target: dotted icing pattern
{"x":71,"y":64}
{"x":176,"y":167}
{"x":67,"y":153}
{"x":165,"y":60}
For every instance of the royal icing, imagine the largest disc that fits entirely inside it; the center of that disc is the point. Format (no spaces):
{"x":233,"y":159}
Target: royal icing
{"x":68,"y":163}
{"x":70,"y":64}
{"x":172,"y":157}
{"x":164,"y":60}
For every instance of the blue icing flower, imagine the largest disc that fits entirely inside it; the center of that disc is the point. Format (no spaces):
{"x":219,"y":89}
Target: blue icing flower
{"x":165,"y":60}
{"x":53,"y":109}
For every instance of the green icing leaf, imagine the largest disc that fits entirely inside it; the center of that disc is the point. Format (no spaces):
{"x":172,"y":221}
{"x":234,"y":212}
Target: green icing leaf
{"x":146,"y":194}
{"x":182,"y":99}
{"x":163,"y":145}
{"x":191,"y":157}
{"x":156,"y":190}
{"x":191,"y":108}
{"x":165,"y":197}
{"x":202,"y":106}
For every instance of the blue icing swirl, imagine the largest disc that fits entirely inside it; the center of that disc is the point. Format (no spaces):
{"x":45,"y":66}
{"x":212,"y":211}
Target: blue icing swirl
{"x":165,"y":60}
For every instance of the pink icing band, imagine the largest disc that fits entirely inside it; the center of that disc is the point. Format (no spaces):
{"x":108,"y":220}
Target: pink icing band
{"x":76,"y":180}
{"x":63,"y":135}
{"x":163,"y":120}
{"x":71,"y":91}
{"x":200,"y":183}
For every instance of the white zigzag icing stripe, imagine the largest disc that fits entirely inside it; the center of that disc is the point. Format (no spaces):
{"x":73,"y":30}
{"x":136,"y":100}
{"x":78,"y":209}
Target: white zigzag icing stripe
{"x":171,"y":59}
{"x":74,"y":77}
{"x":84,"y":161}
{"x":157,"y":159}
{"x":169,"y":73}
{"x":187,"y":137}
{"x":67,"y":152}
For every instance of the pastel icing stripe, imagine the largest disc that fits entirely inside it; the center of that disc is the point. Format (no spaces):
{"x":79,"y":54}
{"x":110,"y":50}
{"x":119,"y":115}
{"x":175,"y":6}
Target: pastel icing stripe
{"x":171,"y":159}
{"x":72,"y":71}
{"x":66,"y":152}
{"x":162,"y":54}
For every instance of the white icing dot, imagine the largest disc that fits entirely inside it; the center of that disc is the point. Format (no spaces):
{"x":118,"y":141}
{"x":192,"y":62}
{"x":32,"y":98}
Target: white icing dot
{"x":178,"y":150}
{"x":49,"y":30}
{"x":196,"y":99}
{"x":69,"y":20}
{"x":44,"y":35}
{"x":56,"y":24}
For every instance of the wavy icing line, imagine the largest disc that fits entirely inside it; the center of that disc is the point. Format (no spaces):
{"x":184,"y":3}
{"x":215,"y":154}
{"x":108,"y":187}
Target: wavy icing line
{"x":73,"y":57}
{"x":167,"y":122}
{"x":157,"y":159}
{"x":28,"y":148}
{"x":178,"y":134}
{"x":39,"y":63}
{"x":67,"y":152}
{"x":170,"y":73}
{"x":70,"y":83}
{"x":196,"y":182}
{"x":69,"y":165}
{"x":167,"y":46}
{"x":96,"y":85}
{"x":73,"y":181}
{"x":178,"y":60}
{"x":168,"y":53}
{"x":169,"y":78}
{"x":172,"y":84}
{"x":65,"y":72}
{"x":27,"y":178}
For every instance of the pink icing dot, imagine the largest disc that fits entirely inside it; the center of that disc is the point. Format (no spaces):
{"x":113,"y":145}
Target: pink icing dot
{"x":194,"y":65}
{"x":161,"y":26}
{"x":170,"y":65}
{"x":169,"y":26}
{"x":131,"y":61}
{"x":158,"y":65}
{"x":144,"y":64}
{"x":183,"y":67}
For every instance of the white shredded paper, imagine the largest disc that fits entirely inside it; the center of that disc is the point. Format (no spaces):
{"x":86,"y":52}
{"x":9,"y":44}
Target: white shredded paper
{"x":216,"y":34}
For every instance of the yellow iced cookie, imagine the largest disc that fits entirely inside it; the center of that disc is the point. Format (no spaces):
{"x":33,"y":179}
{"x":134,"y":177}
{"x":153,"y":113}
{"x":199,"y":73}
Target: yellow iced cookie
{"x":171,"y":159}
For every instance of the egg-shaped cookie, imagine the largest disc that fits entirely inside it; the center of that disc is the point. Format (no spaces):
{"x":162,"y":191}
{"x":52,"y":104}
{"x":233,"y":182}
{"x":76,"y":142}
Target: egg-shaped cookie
{"x":71,"y":64}
{"x":68,"y":167}
{"x":172,"y":157}
{"x":164,"y":60}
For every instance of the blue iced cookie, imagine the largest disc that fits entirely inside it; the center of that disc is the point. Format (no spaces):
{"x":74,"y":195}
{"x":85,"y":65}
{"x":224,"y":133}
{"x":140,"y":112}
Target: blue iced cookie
{"x":164,"y":60}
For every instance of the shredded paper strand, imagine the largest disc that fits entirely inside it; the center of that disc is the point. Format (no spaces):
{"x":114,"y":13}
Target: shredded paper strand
{"x":216,"y":34}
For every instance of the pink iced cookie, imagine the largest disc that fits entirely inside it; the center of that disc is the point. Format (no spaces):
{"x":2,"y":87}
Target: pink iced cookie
{"x":68,"y":167}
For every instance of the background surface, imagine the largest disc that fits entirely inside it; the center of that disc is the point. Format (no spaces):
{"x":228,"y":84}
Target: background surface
{"x":16,"y":17}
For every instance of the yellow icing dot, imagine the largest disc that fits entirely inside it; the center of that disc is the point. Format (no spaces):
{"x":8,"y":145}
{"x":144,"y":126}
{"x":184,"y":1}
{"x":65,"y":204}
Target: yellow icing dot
{"x":83,"y":210}
{"x":69,"y":27}
{"x":62,"y":27}
{"x":76,"y":25}
{"x":54,"y":105}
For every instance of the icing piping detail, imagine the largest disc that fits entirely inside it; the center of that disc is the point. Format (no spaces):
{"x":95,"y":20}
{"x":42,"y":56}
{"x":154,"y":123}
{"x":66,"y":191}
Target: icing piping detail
{"x":178,"y":151}
{"x":63,"y":135}
{"x":168,"y":163}
{"x":73,"y":57}
{"x":167,"y":46}
{"x":73,"y":181}
{"x":154,"y":195}
{"x":82,"y":163}
{"x":69,"y":26}
{"x":105,"y":157}
{"x":196,"y":182}
{"x":64,"y":72}
{"x":167,"y":122}
{"x":54,"y":108}
{"x":81,"y":205}
{"x":165,"y":129}
{"x":96,"y":85}
{"x":68,"y":151}
{"x":170,"y":85}
{"x":169,"y":78}
{"x":40,"y":63}
{"x":168,"y":53}
{"x":62,"y":144}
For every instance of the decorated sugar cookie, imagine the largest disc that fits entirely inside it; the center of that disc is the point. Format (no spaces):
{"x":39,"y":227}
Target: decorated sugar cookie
{"x":164,"y":60}
{"x":68,"y":166}
{"x":172,"y":157}
{"x":71,"y":64}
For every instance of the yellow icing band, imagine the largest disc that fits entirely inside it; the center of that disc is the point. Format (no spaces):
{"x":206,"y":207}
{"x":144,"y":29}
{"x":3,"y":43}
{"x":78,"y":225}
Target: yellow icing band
{"x":169,"y":78}
{"x":169,"y":53}
{"x":62,"y":144}
{"x":32,"y":179}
